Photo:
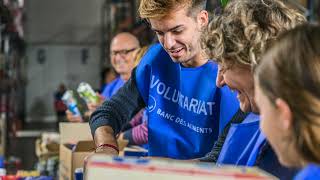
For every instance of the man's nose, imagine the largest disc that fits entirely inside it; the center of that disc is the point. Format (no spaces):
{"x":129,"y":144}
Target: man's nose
{"x":118,"y":56}
{"x":220,"y":79}
{"x":169,"y":41}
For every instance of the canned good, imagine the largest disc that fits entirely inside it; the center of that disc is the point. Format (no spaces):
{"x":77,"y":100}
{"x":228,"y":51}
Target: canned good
{"x":71,"y":102}
{"x":87,"y":93}
{"x":78,"y":174}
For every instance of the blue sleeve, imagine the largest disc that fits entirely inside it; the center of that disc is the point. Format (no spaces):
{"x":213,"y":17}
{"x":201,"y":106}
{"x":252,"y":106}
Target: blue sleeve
{"x":106,"y":93}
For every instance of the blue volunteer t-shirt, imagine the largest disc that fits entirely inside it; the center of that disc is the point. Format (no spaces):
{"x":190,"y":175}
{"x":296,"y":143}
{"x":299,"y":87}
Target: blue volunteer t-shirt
{"x":112,"y":88}
{"x":183,"y":105}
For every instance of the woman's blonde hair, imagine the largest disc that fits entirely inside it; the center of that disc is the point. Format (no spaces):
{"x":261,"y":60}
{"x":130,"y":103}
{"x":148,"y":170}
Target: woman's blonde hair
{"x":245,"y":29}
{"x":139,"y":54}
{"x":293,"y":65}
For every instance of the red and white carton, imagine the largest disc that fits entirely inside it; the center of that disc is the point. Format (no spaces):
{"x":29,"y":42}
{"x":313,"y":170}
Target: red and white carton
{"x":101,"y":167}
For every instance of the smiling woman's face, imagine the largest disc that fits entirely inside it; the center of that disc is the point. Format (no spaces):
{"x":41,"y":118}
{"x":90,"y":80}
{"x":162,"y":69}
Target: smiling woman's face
{"x":239,"y":79}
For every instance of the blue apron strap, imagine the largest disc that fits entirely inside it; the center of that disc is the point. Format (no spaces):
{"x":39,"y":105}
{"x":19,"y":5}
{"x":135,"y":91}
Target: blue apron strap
{"x":256,"y":150}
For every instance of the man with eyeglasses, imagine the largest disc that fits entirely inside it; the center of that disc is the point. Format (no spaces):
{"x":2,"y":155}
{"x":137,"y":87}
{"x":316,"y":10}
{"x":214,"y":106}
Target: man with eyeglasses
{"x":122,"y":58}
{"x":122,"y":50}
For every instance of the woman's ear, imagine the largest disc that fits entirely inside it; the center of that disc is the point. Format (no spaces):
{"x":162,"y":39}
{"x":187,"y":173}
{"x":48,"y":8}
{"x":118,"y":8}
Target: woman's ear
{"x":285,"y":114}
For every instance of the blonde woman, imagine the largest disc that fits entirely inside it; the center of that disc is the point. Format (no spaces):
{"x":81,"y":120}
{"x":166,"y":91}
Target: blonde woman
{"x":290,"y":103}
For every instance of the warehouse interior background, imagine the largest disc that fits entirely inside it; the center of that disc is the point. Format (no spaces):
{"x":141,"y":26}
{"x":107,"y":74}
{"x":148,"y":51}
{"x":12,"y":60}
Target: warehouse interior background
{"x":46,"y":43}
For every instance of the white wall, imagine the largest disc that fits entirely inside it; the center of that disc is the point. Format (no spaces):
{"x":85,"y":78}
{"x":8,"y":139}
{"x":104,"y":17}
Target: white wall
{"x":62,"y":28}
{"x":63,"y":21}
{"x":63,"y":65}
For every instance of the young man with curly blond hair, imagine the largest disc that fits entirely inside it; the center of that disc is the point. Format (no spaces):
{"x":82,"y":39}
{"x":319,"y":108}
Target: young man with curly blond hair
{"x":174,"y":80}
{"x":236,"y":40}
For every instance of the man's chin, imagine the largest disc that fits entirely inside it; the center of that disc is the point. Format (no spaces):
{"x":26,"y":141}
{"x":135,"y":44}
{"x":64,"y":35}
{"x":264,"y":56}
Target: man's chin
{"x":178,"y":60}
{"x":122,"y":69}
{"x":175,"y":59}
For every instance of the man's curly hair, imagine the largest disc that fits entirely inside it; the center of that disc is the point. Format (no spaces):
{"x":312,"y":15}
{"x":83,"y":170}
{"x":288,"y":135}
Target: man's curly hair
{"x":245,"y":29}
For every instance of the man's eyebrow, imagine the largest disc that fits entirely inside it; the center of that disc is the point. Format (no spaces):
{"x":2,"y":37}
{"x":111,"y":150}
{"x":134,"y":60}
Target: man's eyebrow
{"x":172,"y":29}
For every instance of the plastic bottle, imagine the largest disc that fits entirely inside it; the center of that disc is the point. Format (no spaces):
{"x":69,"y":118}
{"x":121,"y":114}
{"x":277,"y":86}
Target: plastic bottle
{"x":71,"y":102}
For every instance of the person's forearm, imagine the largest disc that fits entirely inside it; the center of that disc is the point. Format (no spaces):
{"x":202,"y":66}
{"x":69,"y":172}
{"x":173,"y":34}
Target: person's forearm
{"x":105,"y":135}
{"x":108,"y":119}
{"x":119,"y":109}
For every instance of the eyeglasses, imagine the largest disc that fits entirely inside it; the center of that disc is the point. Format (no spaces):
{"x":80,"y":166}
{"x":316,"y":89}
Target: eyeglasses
{"x":122,"y":52}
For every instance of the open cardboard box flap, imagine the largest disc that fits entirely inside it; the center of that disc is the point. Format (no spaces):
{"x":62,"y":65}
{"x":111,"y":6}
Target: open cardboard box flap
{"x":74,"y":132}
{"x":85,"y":146}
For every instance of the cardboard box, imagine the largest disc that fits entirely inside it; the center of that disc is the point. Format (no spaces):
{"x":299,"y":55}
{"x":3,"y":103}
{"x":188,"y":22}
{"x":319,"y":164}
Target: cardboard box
{"x":101,"y":167}
{"x":74,"y":132}
{"x":75,"y":144}
{"x":48,"y":145}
